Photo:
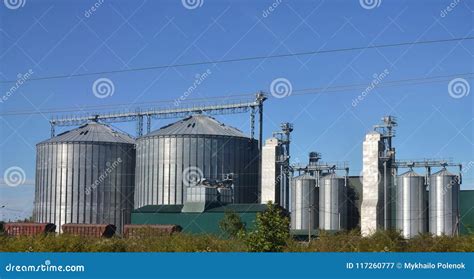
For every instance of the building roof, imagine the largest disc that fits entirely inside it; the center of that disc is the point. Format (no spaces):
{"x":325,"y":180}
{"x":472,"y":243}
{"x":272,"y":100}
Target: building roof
{"x":197,"y":125}
{"x":242,"y":207}
{"x":91,"y":132}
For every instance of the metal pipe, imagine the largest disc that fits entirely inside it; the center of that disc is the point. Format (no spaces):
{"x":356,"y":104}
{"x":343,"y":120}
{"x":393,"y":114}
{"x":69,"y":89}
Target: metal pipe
{"x":122,"y":220}
{"x":260,"y":125}
{"x":309,"y":223}
{"x":385,"y":196}
{"x":148,"y":124}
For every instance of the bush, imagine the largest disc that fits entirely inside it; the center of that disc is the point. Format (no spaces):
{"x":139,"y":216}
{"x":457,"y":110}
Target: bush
{"x":231,"y":224}
{"x":271,"y":233}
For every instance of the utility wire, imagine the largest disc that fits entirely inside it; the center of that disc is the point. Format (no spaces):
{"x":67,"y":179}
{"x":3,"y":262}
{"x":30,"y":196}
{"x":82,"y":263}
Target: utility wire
{"x":98,"y":107}
{"x":305,"y":91}
{"x":244,"y":59}
{"x":401,"y":82}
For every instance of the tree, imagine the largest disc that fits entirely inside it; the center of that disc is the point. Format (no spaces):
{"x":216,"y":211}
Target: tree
{"x":272,"y":231}
{"x":231,"y":224}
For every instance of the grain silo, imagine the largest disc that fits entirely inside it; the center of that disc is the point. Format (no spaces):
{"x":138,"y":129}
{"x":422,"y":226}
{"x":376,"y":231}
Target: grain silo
{"x":198,"y":147}
{"x":411,"y":205}
{"x":332,"y":203}
{"x":444,"y":203}
{"x":304,"y":203}
{"x":85,"y":176}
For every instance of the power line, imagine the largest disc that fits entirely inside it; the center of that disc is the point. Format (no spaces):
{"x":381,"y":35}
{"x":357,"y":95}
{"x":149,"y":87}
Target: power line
{"x":244,"y":59}
{"x":381,"y":84}
{"x":298,"y":92}
{"x":98,"y":107}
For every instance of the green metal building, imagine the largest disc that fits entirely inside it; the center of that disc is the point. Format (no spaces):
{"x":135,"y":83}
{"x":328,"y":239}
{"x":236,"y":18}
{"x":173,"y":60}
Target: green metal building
{"x":466,"y":204}
{"x":204,"y":220}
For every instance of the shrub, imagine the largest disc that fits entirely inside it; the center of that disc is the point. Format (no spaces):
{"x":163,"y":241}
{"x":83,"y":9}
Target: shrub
{"x":231,"y":224}
{"x":271,"y":233}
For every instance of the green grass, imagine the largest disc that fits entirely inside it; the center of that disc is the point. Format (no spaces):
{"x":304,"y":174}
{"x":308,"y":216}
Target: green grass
{"x":340,"y":242}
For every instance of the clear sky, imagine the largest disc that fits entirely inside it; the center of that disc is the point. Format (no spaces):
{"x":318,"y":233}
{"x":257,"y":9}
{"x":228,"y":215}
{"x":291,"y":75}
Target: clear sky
{"x":48,"y":38}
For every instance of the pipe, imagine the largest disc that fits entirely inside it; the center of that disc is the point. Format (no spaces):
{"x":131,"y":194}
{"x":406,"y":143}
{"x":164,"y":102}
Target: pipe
{"x":385,"y":196}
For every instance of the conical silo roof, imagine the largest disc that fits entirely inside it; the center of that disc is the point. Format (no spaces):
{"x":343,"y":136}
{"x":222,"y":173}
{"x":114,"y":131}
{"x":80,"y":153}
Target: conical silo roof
{"x":197,"y":125}
{"x":92,"y":132}
{"x":409,"y":173}
{"x":443,"y":172}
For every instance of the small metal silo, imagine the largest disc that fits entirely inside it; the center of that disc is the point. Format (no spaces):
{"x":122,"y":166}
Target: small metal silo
{"x":332,"y":203}
{"x":304,"y":203}
{"x":411,"y":202}
{"x":444,"y":203}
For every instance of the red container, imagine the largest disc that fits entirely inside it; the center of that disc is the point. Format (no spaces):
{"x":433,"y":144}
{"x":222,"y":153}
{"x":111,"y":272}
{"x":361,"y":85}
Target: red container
{"x":29,"y":229}
{"x":90,"y":230}
{"x":150,"y":230}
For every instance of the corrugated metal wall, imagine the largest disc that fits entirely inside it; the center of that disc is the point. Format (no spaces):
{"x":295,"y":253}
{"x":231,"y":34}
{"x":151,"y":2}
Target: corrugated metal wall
{"x":162,"y":160}
{"x":84,"y":183}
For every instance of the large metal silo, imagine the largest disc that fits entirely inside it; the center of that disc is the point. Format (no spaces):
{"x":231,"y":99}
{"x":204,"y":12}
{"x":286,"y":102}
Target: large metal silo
{"x":176,"y":156}
{"x":85,"y":176}
{"x":304,"y":203}
{"x":411,"y":204}
{"x":332,"y":203}
{"x":444,"y":203}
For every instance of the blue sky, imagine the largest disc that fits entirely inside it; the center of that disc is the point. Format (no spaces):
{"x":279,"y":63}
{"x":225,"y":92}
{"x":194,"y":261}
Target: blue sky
{"x":52,"y":38}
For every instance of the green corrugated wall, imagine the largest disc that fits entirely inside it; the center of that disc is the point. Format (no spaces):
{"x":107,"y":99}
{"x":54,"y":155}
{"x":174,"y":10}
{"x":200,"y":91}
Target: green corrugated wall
{"x":195,"y":223}
{"x":466,"y":204}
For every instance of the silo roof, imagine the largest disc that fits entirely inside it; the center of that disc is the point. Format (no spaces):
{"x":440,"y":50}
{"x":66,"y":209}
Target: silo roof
{"x":197,"y":125}
{"x":443,"y":171}
{"x":331,"y":175}
{"x":410,"y":173}
{"x":92,"y":132}
{"x":304,"y":176}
